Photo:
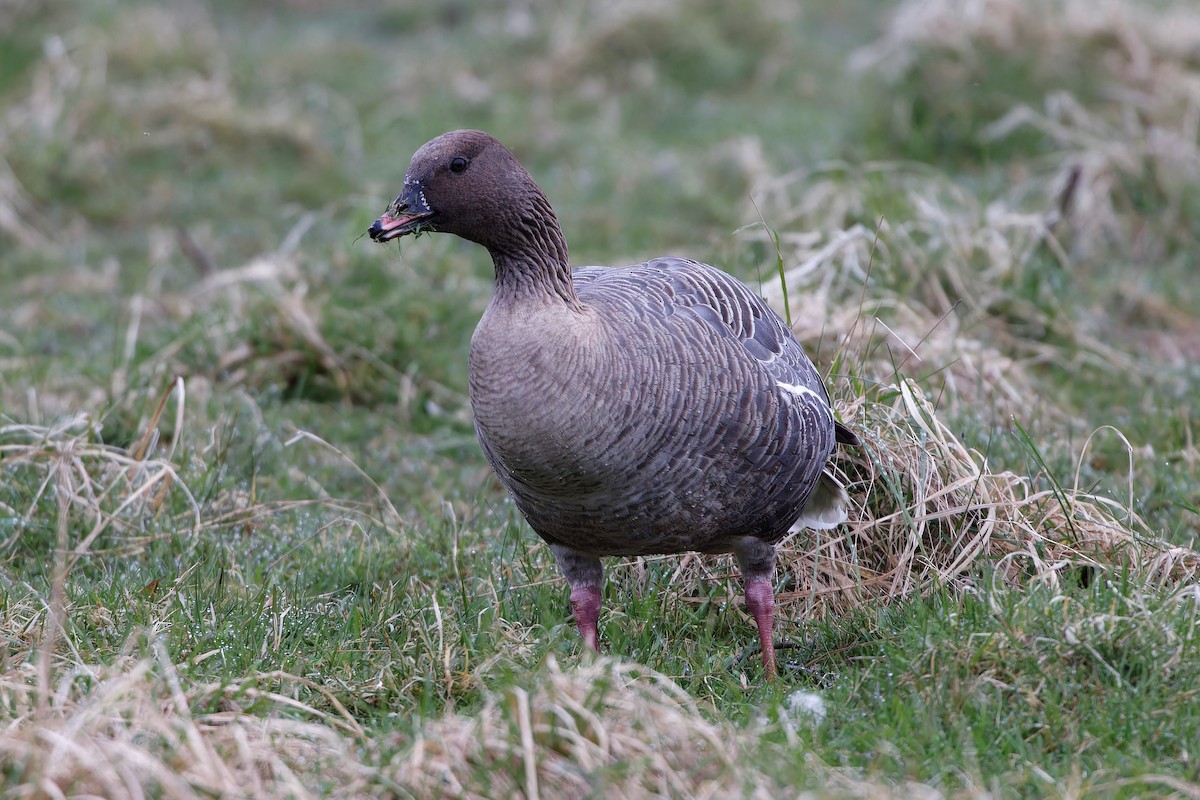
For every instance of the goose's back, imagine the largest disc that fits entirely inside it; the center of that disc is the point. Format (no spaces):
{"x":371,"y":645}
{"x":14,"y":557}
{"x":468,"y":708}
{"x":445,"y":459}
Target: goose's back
{"x":674,"y":412}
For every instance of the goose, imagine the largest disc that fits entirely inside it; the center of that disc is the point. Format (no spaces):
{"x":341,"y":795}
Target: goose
{"x":656,"y":408}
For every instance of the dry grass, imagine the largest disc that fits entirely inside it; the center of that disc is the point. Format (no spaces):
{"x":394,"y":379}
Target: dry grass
{"x":100,"y":490}
{"x":954,"y":260}
{"x":154,"y":86}
{"x":135,"y":729}
{"x":931,"y":512}
{"x":1111,"y":179}
{"x":962,"y":294}
{"x":138,"y":726}
{"x":563,"y":739}
{"x":112,"y":501}
{"x":1144,"y":131}
{"x":949,"y":300}
{"x":612,"y":729}
{"x":1117,"y":160}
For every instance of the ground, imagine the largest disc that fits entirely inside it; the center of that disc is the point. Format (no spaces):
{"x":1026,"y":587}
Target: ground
{"x":248,"y":545}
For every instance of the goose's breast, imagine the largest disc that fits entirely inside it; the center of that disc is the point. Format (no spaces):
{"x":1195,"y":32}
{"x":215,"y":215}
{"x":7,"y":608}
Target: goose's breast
{"x":622,"y":436}
{"x":561,"y":405}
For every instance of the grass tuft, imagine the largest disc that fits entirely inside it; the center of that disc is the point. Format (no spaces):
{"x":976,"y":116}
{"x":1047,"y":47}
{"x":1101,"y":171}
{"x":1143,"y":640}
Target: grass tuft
{"x":137,"y":726}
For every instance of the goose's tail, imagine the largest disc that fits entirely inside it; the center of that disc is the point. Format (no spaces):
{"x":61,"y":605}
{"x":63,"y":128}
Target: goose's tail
{"x":827,"y":506}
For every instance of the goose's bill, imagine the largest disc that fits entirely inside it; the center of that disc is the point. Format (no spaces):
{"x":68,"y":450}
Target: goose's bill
{"x":409,"y":213}
{"x":390,"y":226}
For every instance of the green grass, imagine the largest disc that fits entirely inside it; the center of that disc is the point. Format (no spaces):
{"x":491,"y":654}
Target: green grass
{"x":1098,"y":678}
{"x":290,"y":569}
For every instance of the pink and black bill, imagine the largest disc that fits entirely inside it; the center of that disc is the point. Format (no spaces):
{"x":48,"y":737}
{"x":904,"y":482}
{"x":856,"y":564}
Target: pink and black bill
{"x":409,"y":213}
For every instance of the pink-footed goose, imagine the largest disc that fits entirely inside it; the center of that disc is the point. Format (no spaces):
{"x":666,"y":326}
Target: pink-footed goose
{"x":656,"y":408}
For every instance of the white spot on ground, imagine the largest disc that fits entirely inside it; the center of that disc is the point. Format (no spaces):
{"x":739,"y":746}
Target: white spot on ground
{"x":807,"y":707}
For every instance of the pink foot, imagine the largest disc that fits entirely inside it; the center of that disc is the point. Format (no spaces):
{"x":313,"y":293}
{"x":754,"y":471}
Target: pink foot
{"x":760,"y":602}
{"x":585,"y":603}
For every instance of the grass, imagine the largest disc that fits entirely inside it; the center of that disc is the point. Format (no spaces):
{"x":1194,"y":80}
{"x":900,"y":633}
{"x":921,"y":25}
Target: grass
{"x":249,"y":547}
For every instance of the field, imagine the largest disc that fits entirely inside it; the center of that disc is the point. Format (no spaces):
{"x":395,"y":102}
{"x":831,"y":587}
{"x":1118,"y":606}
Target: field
{"x":250,"y":548}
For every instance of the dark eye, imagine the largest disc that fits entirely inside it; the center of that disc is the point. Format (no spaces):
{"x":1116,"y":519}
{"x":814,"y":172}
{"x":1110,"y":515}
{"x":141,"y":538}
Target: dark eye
{"x":458,"y":164}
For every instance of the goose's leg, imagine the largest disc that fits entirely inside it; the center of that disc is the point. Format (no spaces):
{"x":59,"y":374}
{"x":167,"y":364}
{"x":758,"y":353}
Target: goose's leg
{"x":756,"y":559}
{"x":585,"y":575}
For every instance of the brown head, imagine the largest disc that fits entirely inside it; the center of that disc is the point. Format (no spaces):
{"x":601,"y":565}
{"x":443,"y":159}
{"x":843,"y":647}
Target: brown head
{"x":469,"y":184}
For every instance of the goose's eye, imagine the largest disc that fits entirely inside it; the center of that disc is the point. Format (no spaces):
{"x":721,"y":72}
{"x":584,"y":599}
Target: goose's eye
{"x":458,"y":164}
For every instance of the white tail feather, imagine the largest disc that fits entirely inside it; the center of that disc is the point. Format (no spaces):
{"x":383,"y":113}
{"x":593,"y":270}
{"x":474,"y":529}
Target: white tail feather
{"x":827,"y":506}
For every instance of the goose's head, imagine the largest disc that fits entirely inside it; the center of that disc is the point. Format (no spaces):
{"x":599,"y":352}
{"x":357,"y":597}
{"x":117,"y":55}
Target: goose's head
{"x":466,"y":183}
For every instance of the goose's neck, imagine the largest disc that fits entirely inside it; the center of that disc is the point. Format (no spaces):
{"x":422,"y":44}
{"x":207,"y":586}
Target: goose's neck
{"x":531,"y":261}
